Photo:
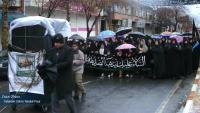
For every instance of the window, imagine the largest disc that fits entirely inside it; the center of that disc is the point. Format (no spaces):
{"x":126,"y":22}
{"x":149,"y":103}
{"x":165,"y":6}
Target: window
{"x":144,"y":14}
{"x":137,"y":12}
{"x":123,"y":10}
{"x":116,"y":9}
{"x":132,"y":11}
{"x":141,"y":13}
{"x":129,"y":10}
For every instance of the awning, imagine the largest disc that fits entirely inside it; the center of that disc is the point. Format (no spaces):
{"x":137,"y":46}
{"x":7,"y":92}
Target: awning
{"x":12,"y":16}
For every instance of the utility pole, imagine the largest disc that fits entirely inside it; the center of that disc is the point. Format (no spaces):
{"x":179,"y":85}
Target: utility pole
{"x":4,"y":33}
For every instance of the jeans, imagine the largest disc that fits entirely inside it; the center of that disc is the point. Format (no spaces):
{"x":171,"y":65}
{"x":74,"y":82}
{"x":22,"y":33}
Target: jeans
{"x":68,"y":98}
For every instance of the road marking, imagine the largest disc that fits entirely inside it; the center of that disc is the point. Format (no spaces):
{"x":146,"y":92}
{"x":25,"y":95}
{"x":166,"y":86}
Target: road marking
{"x":87,"y":82}
{"x":164,"y":103}
{"x":3,"y":109}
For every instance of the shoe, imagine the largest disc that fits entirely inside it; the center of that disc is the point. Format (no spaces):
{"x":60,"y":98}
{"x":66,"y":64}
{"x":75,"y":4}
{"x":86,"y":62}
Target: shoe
{"x":109,"y":76}
{"x":102,"y":74}
{"x":127,"y":76}
{"x":131,"y":75}
{"x":83,"y":96}
{"x":76,"y":97}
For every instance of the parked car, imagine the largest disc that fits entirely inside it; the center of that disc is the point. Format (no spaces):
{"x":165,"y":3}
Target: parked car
{"x":4,"y":67}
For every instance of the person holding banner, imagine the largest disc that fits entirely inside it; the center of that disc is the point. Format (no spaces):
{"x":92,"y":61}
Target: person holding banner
{"x":62,"y":56}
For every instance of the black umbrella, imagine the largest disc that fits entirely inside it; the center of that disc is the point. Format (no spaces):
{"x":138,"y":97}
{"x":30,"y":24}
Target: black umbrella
{"x":77,"y":37}
{"x":148,"y":36}
{"x":123,"y":30}
{"x":94,"y":38}
{"x":137,"y":34}
{"x":186,"y":33}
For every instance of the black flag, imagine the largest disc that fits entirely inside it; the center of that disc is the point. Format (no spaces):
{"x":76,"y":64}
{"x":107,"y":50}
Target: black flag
{"x":194,"y":31}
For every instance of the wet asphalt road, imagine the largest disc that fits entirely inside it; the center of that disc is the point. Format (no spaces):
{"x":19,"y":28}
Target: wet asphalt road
{"x":125,"y":95}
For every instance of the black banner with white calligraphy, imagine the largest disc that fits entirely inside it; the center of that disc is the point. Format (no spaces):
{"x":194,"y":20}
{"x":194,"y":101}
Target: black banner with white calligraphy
{"x":137,"y":61}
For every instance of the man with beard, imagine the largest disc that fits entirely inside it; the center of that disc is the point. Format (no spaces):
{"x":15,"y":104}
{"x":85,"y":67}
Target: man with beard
{"x":62,"y":56}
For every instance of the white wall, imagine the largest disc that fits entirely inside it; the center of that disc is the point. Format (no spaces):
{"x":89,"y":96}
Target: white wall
{"x":77,"y":21}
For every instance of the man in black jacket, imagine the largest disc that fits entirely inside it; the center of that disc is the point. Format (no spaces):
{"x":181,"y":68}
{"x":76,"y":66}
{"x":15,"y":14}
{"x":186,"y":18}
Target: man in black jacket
{"x":62,"y":56}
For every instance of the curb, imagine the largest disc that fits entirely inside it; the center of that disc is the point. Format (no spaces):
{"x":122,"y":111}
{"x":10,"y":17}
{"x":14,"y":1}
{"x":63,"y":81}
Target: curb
{"x":189,"y":103}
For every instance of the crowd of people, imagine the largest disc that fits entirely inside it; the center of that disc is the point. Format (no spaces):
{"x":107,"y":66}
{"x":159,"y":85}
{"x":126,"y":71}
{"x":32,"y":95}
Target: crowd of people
{"x":167,"y":57}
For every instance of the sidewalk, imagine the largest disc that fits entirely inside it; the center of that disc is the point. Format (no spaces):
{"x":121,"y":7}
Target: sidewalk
{"x":193,"y":102}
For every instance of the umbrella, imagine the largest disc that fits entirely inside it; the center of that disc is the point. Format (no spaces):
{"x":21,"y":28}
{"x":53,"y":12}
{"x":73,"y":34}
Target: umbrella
{"x":125,"y":46}
{"x":106,"y":34}
{"x":178,"y":38}
{"x":123,"y":36}
{"x":123,"y":30}
{"x":77,"y":37}
{"x":94,"y":38}
{"x":137,"y":34}
{"x":187,"y":33}
{"x":157,"y":36}
{"x":166,"y":33}
{"x":176,"y":33}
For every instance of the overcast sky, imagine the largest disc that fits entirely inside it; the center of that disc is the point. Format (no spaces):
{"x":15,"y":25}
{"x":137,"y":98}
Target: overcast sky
{"x":194,"y":12}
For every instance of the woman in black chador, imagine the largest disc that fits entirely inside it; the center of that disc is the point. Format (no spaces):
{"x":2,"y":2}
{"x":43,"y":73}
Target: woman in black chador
{"x":159,"y":60}
{"x":195,"y":54}
{"x":174,"y":58}
{"x":187,"y":56}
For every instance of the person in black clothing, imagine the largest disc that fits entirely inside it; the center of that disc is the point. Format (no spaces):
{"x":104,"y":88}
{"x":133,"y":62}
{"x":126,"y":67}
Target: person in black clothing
{"x":110,"y":46}
{"x":187,"y":57}
{"x":174,"y":60}
{"x":130,"y":53}
{"x":150,"y":45}
{"x":195,"y":55}
{"x":82,"y":46}
{"x":96,"y":47}
{"x":167,"y":46}
{"x":89,"y":47}
{"x":61,"y":56}
{"x":159,"y":60}
{"x":163,"y":41}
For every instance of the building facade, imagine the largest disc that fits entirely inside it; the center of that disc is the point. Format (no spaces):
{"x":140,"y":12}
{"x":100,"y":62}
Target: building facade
{"x":129,"y":15}
{"x":77,"y":19}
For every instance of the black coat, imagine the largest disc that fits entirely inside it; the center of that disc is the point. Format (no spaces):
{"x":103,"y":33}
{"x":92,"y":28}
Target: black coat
{"x":195,"y":57}
{"x":159,"y":61}
{"x":173,"y":60}
{"x":187,"y":57}
{"x":65,"y":79}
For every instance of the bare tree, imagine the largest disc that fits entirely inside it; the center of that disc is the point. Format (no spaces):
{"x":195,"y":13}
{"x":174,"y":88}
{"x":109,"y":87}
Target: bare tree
{"x":47,"y":7}
{"x":163,"y":16}
{"x":155,"y":5}
{"x":90,"y":7}
{"x":4,"y":38}
{"x":66,"y":4}
{"x":178,"y":15}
